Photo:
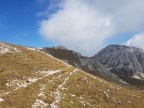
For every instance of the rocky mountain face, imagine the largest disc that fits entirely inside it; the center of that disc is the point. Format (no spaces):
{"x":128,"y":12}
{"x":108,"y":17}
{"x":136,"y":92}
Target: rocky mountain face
{"x":124,"y":61}
{"x":117,"y":63}
{"x":77,"y":60}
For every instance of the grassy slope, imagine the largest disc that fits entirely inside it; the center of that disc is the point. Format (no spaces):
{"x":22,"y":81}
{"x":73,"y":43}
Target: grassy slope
{"x":80,"y":90}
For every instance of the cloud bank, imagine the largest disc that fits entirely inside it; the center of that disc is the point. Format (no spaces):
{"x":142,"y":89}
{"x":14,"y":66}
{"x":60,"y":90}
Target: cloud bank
{"x":137,"y":41}
{"x":84,"y":25}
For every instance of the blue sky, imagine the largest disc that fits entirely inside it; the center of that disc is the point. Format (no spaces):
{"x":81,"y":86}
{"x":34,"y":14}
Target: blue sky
{"x":85,"y":26}
{"x":19,"y":22}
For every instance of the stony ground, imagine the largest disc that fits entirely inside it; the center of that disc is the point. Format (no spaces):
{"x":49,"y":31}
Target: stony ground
{"x":30,"y":78}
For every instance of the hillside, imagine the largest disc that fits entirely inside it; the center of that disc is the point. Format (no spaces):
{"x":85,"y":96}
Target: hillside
{"x":75,"y":59}
{"x":84,"y":63}
{"x":30,"y":78}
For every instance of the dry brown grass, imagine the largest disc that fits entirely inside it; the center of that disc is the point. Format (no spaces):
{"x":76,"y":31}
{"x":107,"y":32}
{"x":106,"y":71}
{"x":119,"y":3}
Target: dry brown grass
{"x":82,"y":90}
{"x":98,"y":93}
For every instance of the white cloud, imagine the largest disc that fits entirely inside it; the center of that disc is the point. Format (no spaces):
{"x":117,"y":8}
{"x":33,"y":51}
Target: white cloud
{"x":130,"y":17}
{"x":78,"y":27}
{"x":84,"y":25}
{"x":136,"y":41}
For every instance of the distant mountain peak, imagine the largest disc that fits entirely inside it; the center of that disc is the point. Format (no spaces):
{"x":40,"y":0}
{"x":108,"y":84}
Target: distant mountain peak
{"x":122,"y":47}
{"x":122,"y":60}
{"x":77,"y":60}
{"x":60,"y":47}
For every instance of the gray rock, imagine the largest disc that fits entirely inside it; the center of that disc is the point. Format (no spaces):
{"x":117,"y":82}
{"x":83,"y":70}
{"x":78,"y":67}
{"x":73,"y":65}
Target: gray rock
{"x":84,"y":63}
{"x":122,"y":60}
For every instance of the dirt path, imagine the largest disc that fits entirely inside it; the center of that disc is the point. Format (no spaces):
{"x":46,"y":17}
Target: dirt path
{"x":57,"y":93}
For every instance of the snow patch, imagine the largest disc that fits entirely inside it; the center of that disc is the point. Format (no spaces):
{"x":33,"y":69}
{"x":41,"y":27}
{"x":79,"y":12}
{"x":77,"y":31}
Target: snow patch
{"x":1,"y":100}
{"x":106,"y":94}
{"x":41,"y":94}
{"x":17,"y":84}
{"x":32,"y":80}
{"x":136,"y":76}
{"x":5,"y":48}
{"x":33,"y":49}
{"x":39,"y":104}
{"x":72,"y":95}
{"x":49,"y":72}
{"x":129,"y":101}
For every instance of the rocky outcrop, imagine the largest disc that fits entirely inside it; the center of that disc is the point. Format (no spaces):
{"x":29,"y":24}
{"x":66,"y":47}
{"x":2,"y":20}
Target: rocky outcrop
{"x":122,"y":60}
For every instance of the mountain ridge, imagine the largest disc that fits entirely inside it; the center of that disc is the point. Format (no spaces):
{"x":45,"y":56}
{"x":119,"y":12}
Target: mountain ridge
{"x":32,"y":78}
{"x":124,"y":61}
{"x":77,"y":60}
